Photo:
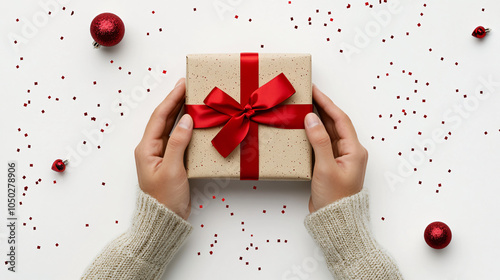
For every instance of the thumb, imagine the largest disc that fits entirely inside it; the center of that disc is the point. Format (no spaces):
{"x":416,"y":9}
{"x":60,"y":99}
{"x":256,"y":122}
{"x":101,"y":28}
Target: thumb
{"x":179,"y":139}
{"x":319,"y":139}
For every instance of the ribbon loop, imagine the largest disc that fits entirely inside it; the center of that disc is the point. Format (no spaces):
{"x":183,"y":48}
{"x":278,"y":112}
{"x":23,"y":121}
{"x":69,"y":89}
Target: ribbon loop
{"x":222,"y":102}
{"x":272,"y":93}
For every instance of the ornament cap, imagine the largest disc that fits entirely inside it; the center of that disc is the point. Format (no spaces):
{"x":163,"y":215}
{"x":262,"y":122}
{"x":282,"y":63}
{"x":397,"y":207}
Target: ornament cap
{"x":96,"y":45}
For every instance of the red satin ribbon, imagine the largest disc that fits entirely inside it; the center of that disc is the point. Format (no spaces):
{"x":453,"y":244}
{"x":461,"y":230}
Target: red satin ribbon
{"x":258,"y":105}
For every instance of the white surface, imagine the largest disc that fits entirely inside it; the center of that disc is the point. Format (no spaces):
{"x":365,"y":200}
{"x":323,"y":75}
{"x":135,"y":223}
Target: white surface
{"x":467,"y":200}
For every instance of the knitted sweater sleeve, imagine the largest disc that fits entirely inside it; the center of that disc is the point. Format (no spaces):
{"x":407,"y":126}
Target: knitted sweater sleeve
{"x":145,"y":249}
{"x":341,"y":231}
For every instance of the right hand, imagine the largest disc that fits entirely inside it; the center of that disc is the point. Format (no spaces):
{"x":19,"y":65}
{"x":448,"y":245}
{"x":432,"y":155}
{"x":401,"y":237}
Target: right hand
{"x":340,"y":160}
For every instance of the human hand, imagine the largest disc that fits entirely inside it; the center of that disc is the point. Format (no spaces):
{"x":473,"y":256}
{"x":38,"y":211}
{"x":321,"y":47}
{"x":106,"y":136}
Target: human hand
{"x":339,"y":169}
{"x":160,"y":158}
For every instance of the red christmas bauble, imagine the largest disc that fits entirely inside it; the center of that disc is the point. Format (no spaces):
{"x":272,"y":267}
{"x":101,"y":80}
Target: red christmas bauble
{"x":437,"y":235}
{"x":480,"y":32}
{"x":59,"y":165}
{"x":107,"y":29}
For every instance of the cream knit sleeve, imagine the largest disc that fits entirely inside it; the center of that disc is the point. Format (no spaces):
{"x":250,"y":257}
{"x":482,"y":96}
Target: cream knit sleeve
{"x":145,"y":249}
{"x":341,"y":230}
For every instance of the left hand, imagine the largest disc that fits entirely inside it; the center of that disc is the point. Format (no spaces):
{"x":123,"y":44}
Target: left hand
{"x":160,"y":158}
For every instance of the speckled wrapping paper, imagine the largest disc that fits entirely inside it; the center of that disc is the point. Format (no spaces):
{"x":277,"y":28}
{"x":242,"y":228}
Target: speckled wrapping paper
{"x":284,"y":154}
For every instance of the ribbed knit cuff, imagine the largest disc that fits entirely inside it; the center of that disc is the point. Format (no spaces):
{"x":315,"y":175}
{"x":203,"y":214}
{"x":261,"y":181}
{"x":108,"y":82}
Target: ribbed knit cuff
{"x":156,"y":232}
{"x":341,"y":228}
{"x":143,"y":251}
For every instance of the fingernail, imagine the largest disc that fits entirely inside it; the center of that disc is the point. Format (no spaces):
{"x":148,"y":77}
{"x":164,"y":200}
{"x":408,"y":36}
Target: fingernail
{"x":312,"y":120}
{"x":186,"y":122}
{"x":178,"y":83}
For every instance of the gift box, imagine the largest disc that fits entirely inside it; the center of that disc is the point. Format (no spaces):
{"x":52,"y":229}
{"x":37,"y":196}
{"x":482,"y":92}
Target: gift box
{"x":248,"y":111}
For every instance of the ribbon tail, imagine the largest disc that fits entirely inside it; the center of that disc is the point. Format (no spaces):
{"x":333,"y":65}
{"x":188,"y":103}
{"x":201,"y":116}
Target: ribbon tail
{"x":231,"y":135}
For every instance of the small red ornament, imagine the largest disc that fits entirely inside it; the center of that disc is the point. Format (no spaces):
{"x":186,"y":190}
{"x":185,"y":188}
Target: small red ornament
{"x":437,"y":235}
{"x":59,"y":165}
{"x":480,"y":32}
{"x":107,"y":29}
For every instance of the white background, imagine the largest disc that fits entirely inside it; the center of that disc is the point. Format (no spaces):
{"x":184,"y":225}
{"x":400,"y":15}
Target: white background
{"x":467,"y":200}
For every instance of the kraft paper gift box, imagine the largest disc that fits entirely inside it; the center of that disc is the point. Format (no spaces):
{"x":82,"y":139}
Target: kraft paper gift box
{"x":276,"y":151}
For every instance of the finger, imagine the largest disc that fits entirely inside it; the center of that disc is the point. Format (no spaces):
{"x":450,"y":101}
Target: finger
{"x":172,"y":118}
{"x":311,"y":205}
{"x":342,"y":122}
{"x":177,"y":113}
{"x":164,"y":112}
{"x":330,"y":128}
{"x":328,"y":123}
{"x":319,"y":139}
{"x":178,"y":141}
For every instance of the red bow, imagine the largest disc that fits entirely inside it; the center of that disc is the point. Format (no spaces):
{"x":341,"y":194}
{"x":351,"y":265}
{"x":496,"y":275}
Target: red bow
{"x":262,"y":107}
